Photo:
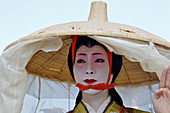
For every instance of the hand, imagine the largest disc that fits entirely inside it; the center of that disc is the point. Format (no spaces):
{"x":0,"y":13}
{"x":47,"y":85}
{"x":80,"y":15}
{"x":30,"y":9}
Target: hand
{"x":161,"y":98}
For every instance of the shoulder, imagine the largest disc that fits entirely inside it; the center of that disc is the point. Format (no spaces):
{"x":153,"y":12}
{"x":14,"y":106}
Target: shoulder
{"x":114,"y":107}
{"x":70,"y":111}
{"x":132,"y":110}
{"x":80,"y":108}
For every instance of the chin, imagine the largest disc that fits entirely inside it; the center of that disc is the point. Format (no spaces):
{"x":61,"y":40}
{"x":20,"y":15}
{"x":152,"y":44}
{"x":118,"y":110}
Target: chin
{"x":91,"y":91}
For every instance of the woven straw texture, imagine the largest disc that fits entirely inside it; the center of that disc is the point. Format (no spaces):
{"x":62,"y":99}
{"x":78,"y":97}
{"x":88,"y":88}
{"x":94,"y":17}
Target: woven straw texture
{"x":53,"y":65}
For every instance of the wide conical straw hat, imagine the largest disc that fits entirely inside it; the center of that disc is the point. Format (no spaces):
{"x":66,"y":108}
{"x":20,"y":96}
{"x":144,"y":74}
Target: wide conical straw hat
{"x":53,"y":65}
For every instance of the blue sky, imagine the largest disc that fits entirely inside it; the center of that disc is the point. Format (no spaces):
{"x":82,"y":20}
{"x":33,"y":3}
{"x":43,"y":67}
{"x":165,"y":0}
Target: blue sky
{"x":19,"y":18}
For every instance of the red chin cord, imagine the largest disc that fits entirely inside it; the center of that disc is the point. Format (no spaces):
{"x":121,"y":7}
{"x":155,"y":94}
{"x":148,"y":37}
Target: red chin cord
{"x":101,"y":86}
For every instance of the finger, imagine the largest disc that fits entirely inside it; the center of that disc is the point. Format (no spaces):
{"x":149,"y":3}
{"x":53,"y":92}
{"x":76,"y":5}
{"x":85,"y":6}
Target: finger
{"x":163,"y":78}
{"x":168,"y":78}
{"x":157,"y":94}
{"x":166,"y":94}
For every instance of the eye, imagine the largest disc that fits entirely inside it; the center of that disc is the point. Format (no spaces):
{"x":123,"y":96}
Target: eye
{"x":99,"y":60}
{"x":81,"y":61}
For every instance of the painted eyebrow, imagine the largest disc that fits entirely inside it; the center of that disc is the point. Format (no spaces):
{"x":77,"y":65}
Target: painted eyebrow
{"x":92,"y":54}
{"x":82,"y":54}
{"x":97,"y":54}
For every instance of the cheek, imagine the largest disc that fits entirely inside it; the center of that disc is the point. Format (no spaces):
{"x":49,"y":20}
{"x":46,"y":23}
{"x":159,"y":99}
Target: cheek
{"x":79,"y":70}
{"x":79,"y":67}
{"x":102,"y":71}
{"x":103,"y":67}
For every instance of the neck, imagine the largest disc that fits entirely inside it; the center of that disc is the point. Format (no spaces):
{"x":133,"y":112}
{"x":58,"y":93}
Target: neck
{"x":95,"y":100}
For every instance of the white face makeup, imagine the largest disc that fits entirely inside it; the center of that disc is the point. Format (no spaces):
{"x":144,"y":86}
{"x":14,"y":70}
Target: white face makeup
{"x":91,"y":67}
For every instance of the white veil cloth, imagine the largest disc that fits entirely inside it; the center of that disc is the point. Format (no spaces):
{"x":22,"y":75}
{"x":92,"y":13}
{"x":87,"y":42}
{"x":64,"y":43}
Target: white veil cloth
{"x":23,"y":92}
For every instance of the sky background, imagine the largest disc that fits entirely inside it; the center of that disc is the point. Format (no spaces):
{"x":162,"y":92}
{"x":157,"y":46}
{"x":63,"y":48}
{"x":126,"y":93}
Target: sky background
{"x":19,"y":18}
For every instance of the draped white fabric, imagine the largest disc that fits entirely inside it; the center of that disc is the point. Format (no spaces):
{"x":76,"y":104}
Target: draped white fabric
{"x":13,"y":76}
{"x":20,"y":90}
{"x":149,"y":57}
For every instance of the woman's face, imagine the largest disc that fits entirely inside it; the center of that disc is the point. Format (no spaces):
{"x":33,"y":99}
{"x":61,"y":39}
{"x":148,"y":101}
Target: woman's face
{"x":91,"y":65}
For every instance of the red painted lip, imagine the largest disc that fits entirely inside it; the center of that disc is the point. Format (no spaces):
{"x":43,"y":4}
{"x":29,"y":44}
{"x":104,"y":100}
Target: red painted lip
{"x":90,"y":81}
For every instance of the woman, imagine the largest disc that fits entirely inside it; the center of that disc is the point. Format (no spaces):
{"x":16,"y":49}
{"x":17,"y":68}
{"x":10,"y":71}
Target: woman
{"x":94,"y":69}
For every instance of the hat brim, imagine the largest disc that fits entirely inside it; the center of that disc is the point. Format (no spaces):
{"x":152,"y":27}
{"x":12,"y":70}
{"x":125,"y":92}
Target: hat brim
{"x":91,"y":28}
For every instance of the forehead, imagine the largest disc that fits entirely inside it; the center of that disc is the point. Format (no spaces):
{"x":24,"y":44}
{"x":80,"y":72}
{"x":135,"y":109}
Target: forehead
{"x":94,"y":49}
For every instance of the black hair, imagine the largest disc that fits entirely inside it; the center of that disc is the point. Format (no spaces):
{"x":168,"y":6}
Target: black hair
{"x":116,"y":66}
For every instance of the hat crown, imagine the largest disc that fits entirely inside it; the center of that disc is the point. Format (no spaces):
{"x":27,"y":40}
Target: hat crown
{"x":98,"y":11}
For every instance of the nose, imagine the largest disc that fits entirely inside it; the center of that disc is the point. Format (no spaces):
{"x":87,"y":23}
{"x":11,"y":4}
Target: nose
{"x":89,"y":72}
{"x":89,"y":69}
